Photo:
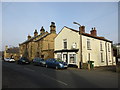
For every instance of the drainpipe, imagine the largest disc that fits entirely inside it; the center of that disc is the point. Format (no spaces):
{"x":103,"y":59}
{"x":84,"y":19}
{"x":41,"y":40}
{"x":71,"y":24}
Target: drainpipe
{"x":106,"y":54}
{"x":112,"y":52}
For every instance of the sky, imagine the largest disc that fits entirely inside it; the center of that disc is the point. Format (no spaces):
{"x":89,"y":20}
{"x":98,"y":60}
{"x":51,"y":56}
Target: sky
{"x":21,"y":18}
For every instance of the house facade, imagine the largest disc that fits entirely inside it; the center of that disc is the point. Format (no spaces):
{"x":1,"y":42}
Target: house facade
{"x":77,"y":47}
{"x":11,"y":52}
{"x":40,"y":45}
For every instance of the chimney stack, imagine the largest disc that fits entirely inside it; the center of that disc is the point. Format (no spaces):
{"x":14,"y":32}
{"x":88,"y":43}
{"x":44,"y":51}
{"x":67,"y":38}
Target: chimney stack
{"x":42,"y":30}
{"x":29,"y":37}
{"x":93,"y":32}
{"x":82,"y":29}
{"x":35,"y":32}
{"x":52,"y":28}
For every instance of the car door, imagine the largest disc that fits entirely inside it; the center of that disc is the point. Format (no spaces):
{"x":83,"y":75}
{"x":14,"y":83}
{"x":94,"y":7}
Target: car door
{"x":54,"y":63}
{"x":48,"y":62}
{"x":51,"y":63}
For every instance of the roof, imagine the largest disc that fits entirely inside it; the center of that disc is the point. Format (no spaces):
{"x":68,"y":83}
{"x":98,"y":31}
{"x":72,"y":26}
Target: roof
{"x":12,"y":50}
{"x":89,"y":35}
{"x":31,"y":38}
{"x":42,"y":37}
{"x":71,"y":29}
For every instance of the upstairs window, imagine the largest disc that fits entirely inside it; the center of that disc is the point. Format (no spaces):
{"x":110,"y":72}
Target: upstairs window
{"x":108,"y":47}
{"x":65,"y":43}
{"x":101,"y":47}
{"x":88,"y":44}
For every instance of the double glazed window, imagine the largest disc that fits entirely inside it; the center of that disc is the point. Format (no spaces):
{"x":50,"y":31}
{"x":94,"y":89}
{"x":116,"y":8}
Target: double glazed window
{"x":65,"y":43}
{"x":88,"y":44}
{"x":102,"y":57}
{"x":108,"y":47}
{"x":72,"y":58}
{"x":59,"y":56}
{"x":101,"y":47}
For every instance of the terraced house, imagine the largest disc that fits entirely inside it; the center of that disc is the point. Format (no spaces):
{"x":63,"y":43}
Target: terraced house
{"x":40,"y":45}
{"x":78,"y":47}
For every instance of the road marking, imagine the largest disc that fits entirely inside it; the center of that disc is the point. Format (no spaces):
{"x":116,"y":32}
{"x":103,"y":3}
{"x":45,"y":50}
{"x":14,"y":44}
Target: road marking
{"x":54,"y":79}
{"x":29,"y":69}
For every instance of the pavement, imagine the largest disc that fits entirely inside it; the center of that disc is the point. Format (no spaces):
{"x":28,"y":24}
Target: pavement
{"x":30,"y":76}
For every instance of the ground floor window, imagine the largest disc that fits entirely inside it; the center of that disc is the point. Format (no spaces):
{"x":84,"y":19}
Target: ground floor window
{"x":59,"y":56}
{"x":102,"y":57}
{"x":72,"y":58}
{"x":109,"y":57}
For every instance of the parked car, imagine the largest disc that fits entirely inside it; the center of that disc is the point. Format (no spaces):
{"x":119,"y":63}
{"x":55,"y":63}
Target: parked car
{"x":6,"y":59}
{"x":11,"y":60}
{"x":56,"y":63}
{"x":23,"y":60}
{"x":39,"y":61}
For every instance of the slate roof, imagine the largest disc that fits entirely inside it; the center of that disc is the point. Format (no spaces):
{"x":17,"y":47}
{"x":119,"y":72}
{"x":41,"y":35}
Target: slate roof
{"x":42,"y":37}
{"x":89,"y":35}
{"x":32,"y":38}
{"x":13,"y":50}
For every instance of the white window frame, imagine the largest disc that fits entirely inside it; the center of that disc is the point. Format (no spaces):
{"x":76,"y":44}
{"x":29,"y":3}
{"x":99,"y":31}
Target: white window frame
{"x":88,"y":44}
{"x":64,"y":40}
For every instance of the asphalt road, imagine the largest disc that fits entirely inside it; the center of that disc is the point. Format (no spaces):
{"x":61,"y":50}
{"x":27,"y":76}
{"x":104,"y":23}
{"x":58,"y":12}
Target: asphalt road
{"x":29,"y":76}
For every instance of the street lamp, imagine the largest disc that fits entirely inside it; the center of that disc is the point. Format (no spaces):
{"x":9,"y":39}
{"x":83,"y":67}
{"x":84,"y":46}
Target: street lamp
{"x":76,"y":23}
{"x":80,"y":63}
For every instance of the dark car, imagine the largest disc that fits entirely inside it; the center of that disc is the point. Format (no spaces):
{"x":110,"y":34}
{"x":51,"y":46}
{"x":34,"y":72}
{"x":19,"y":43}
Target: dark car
{"x":23,"y":60}
{"x":56,"y":63}
{"x":39,"y":61}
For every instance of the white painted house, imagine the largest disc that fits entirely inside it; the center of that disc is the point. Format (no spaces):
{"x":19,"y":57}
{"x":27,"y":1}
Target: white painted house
{"x":77,"y":47}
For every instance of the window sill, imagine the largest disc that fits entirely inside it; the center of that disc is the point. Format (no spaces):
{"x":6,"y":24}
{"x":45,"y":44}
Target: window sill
{"x":89,"y":49}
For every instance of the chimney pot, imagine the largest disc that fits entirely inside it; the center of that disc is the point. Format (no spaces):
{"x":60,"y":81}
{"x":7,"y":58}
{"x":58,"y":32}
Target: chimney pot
{"x":52,"y":27}
{"x":93,"y":32}
{"x":35,"y":32}
{"x":42,"y":30}
{"x":29,"y":37}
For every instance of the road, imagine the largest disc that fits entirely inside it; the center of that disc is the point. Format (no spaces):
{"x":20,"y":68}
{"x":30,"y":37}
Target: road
{"x":29,"y":76}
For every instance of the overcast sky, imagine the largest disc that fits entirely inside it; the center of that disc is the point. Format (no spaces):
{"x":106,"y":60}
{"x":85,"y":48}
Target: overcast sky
{"x":22,"y":18}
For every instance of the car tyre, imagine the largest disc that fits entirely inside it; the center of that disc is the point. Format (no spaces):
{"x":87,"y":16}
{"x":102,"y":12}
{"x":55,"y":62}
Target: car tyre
{"x":56,"y":67}
{"x":46,"y":66}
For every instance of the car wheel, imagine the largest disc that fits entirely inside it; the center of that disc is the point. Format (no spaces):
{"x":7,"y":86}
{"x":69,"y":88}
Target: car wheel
{"x":46,"y":66}
{"x":56,"y":67}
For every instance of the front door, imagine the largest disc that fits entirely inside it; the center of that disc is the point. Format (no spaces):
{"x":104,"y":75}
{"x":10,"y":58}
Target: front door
{"x":65,"y":58}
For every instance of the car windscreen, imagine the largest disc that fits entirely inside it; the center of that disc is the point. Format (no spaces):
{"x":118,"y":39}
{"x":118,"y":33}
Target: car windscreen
{"x":38,"y":59}
{"x":24,"y":59}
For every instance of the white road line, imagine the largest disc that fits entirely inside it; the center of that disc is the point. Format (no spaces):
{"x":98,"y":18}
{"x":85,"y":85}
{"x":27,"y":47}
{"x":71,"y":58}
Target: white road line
{"x":29,"y":69}
{"x":54,"y":79}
